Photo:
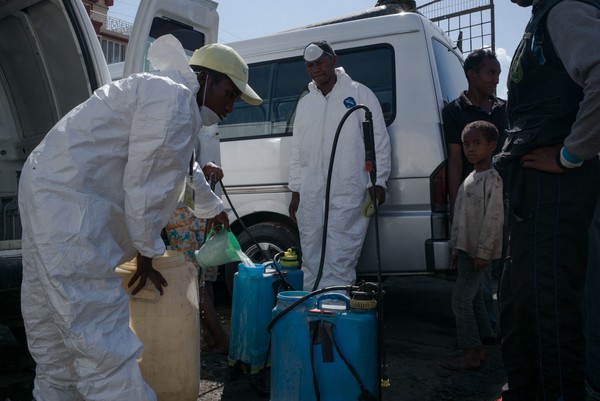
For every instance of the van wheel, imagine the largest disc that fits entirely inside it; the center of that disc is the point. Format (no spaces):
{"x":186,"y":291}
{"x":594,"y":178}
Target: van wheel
{"x":273,"y":238}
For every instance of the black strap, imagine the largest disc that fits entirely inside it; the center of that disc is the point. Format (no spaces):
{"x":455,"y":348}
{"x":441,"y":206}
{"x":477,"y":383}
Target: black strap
{"x":321,"y":332}
{"x":324,"y":337}
{"x":192,"y":161}
{"x":365,"y":395}
{"x":313,"y":328}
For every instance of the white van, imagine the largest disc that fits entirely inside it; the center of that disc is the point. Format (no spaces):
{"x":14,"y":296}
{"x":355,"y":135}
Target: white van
{"x":50,"y":61}
{"x":414,"y":69}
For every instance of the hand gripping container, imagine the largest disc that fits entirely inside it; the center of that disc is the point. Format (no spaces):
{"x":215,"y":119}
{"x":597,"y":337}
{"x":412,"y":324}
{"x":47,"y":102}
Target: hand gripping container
{"x":169,"y":327}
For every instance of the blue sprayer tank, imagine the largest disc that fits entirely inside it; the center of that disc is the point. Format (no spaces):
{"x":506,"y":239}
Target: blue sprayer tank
{"x":254,"y":294}
{"x":308,"y":340}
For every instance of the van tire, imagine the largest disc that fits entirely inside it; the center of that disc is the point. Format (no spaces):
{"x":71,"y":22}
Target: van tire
{"x":273,"y":237}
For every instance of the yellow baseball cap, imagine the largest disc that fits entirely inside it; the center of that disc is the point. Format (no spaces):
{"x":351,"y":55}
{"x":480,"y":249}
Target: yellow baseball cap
{"x":225,"y":60}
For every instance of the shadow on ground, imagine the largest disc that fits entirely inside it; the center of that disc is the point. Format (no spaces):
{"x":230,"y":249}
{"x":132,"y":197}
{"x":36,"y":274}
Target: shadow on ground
{"x":419,"y":338}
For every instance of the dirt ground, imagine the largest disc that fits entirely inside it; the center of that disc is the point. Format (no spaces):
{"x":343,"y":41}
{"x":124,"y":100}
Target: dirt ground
{"x":419,"y":338}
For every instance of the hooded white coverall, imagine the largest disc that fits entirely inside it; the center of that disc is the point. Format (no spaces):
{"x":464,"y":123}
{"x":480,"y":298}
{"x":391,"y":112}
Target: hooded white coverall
{"x":315,"y":124}
{"x":95,"y":192}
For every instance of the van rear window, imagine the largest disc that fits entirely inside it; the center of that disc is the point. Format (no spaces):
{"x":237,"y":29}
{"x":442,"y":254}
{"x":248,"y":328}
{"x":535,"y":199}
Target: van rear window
{"x":281,"y":83}
{"x":450,"y":86}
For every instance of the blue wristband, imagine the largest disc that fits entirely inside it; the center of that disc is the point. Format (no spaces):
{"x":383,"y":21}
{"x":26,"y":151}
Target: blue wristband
{"x":566,"y":161}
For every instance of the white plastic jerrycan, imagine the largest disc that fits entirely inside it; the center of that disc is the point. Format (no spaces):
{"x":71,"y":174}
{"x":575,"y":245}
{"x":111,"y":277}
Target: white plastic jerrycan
{"x":169,"y":327}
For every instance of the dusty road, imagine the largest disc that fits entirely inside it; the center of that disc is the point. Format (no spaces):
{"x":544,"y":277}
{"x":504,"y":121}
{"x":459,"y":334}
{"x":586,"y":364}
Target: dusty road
{"x":419,"y":337}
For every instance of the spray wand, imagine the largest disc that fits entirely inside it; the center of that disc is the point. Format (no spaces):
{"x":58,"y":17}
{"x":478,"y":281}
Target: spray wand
{"x":371,"y":167}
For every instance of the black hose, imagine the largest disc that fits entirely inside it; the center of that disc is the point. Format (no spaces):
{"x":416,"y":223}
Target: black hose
{"x":383,"y":366}
{"x":328,"y":190}
{"x":371,"y":165}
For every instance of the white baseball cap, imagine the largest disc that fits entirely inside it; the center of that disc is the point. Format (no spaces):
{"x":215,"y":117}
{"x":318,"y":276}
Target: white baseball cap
{"x":224,"y":59}
{"x":316,"y":49}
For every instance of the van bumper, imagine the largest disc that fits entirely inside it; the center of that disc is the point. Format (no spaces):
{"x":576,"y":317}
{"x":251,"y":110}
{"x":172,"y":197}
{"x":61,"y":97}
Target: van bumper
{"x":437,"y":255}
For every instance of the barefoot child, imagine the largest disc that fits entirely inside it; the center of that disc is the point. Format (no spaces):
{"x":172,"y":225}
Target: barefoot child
{"x":476,"y":240}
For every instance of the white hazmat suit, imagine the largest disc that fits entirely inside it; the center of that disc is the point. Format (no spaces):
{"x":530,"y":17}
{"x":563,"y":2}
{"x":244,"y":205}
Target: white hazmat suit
{"x":315,"y":125}
{"x":95,"y":192}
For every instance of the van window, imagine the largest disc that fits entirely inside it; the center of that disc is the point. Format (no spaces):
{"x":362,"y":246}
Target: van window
{"x":247,"y":115}
{"x":189,"y":38}
{"x":281,"y":83}
{"x":286,"y":94}
{"x":377,"y":74}
{"x":448,"y":69}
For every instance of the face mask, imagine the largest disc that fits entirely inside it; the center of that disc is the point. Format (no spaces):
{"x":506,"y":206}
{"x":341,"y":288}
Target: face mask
{"x":209,"y":117}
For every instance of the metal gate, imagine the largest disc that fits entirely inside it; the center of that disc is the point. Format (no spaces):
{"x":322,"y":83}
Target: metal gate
{"x":470,"y":23}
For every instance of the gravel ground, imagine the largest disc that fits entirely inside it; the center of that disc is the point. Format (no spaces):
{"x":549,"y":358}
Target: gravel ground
{"x":419,"y":338}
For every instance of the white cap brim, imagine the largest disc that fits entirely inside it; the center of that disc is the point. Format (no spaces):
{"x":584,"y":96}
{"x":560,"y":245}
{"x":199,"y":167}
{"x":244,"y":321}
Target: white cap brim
{"x":248,"y":94}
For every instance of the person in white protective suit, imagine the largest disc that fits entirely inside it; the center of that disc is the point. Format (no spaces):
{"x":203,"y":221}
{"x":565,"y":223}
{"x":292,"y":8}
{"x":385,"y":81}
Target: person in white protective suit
{"x":94,"y":194}
{"x":331,"y":94}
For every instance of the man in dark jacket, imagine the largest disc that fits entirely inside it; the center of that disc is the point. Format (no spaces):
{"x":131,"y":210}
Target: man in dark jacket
{"x":550,"y":158}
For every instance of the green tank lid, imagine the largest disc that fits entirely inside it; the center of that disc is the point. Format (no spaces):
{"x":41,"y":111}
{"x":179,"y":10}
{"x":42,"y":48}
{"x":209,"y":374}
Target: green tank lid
{"x":289,"y":260}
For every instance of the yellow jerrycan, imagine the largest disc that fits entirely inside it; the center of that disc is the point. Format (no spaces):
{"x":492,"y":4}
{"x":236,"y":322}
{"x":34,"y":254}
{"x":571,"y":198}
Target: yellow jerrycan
{"x":168,"y":326}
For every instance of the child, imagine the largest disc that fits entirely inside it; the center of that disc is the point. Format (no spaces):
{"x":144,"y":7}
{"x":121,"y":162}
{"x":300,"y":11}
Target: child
{"x":476,"y":239}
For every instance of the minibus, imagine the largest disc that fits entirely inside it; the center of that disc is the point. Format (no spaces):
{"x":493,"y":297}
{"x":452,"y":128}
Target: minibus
{"x":414,"y":69}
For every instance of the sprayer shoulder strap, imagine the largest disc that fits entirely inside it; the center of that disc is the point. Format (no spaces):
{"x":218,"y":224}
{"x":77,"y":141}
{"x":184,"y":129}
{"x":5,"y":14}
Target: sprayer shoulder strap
{"x":313,"y":332}
{"x":321,"y":332}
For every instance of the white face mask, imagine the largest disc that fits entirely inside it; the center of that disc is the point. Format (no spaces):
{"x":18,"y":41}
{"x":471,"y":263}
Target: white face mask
{"x":209,"y":117}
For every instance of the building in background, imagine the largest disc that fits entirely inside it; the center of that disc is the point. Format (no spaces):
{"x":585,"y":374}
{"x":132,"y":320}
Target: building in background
{"x":113,"y":33}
